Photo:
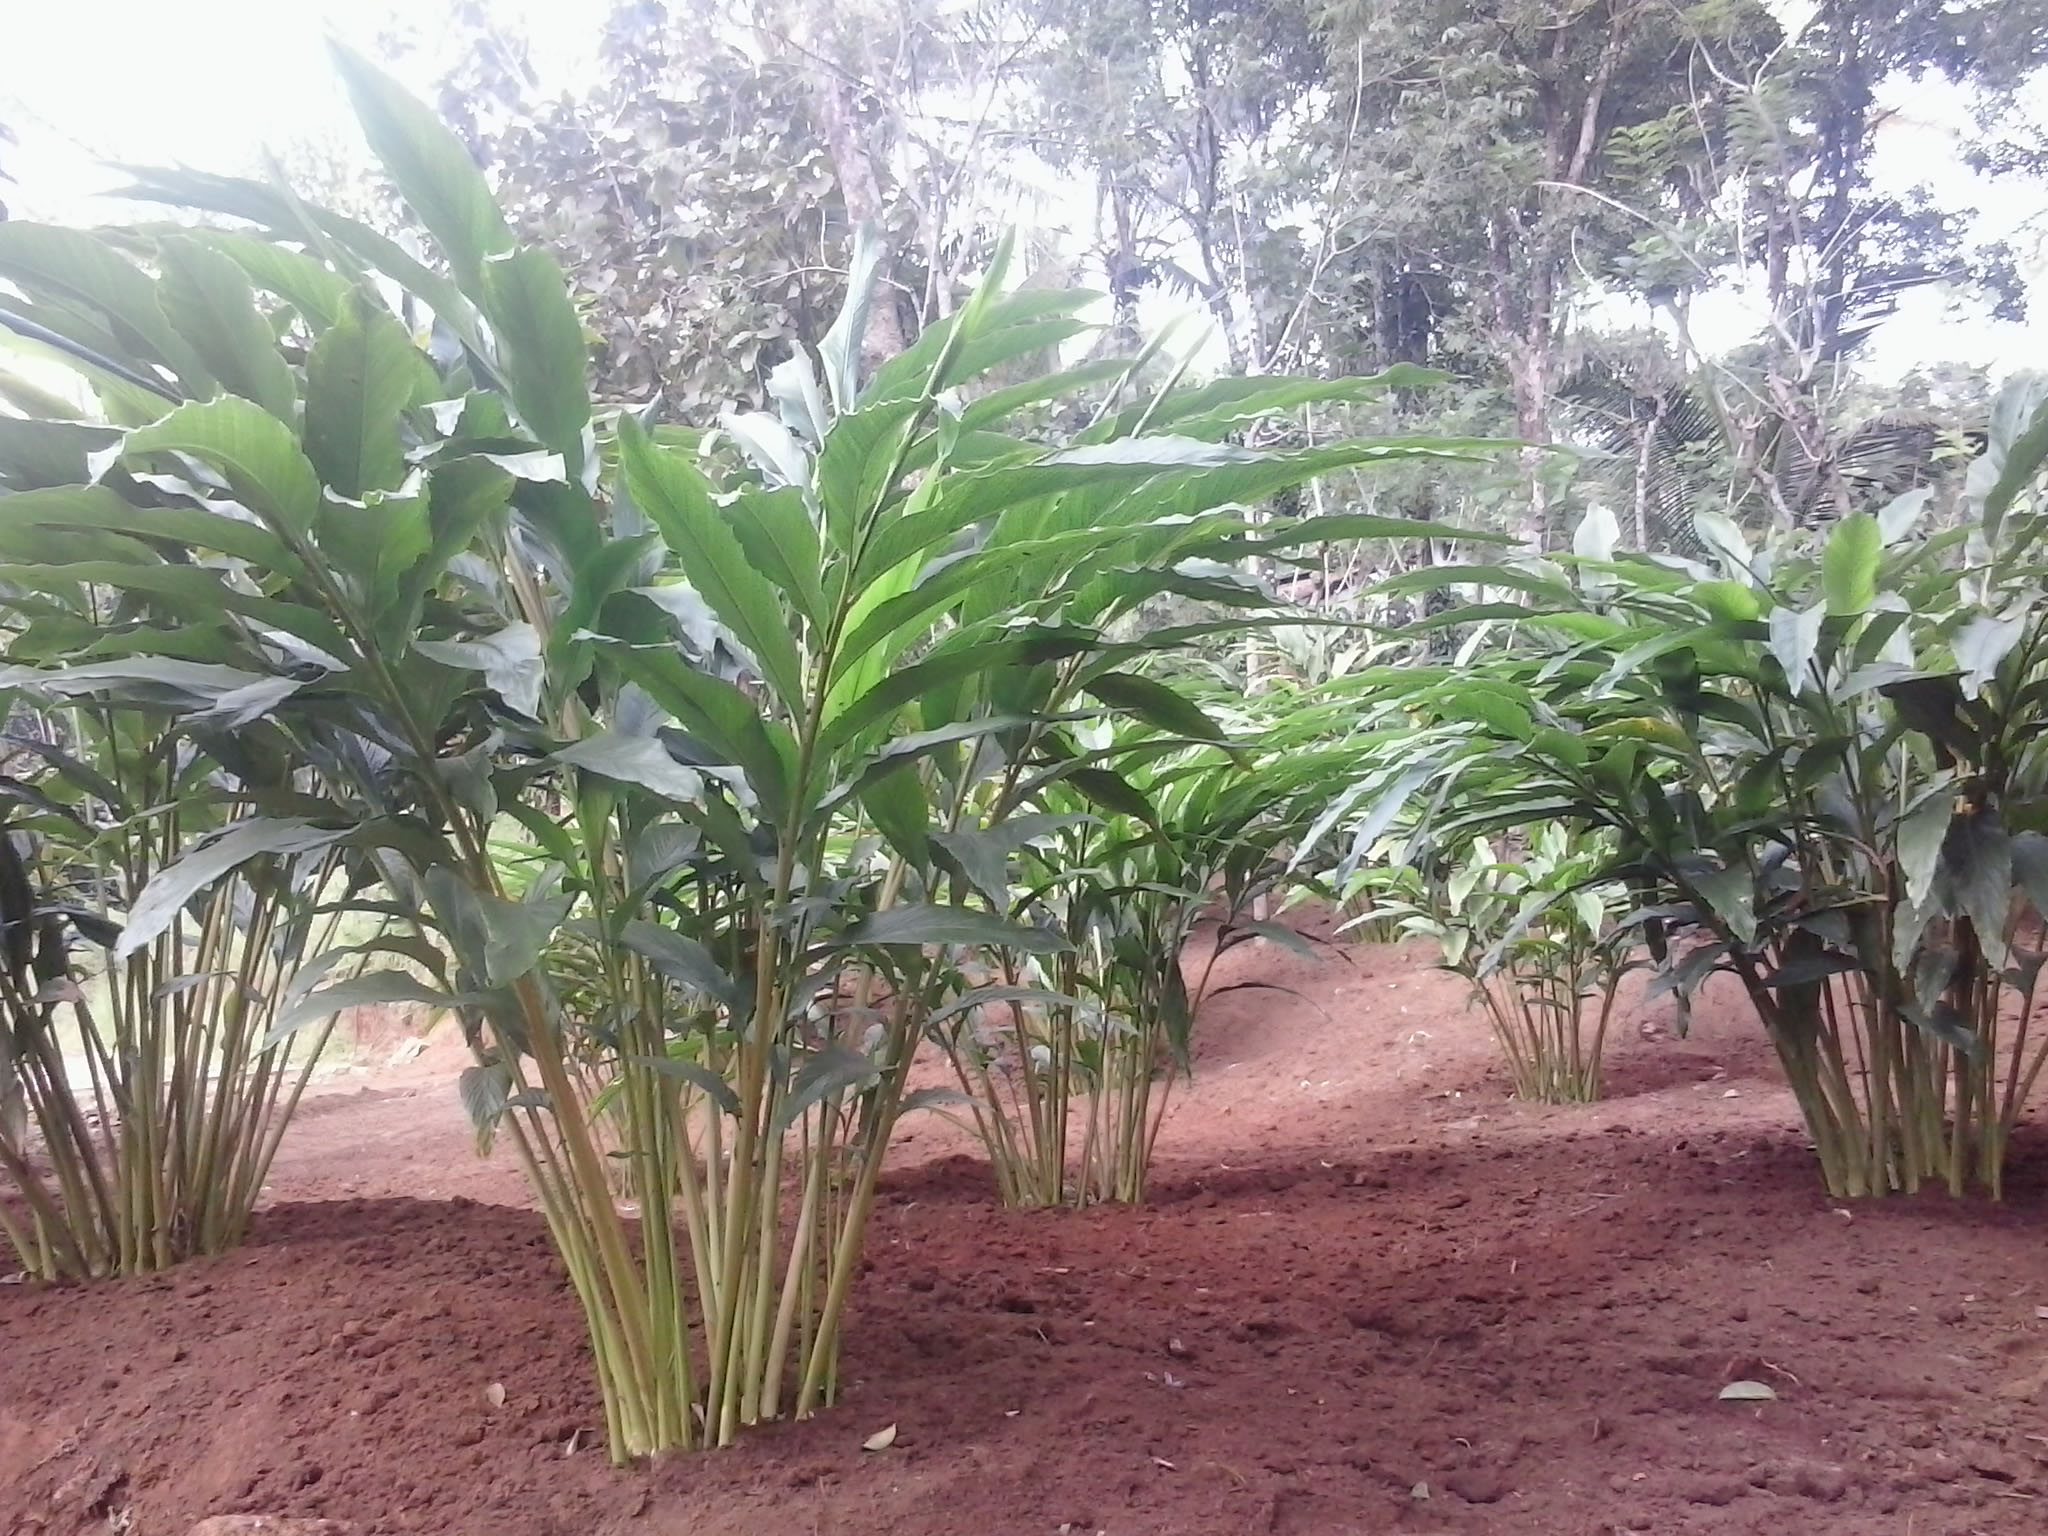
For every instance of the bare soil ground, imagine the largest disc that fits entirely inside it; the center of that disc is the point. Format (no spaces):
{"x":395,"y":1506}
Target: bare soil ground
{"x":1371,"y":1295}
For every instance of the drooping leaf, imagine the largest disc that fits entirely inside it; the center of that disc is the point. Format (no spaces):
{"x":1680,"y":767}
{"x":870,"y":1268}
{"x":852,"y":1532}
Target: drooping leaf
{"x":640,"y":760}
{"x":1795,"y":638}
{"x":44,"y":258}
{"x":1156,"y":704}
{"x":371,"y":990}
{"x":210,"y":859}
{"x":916,"y":926}
{"x":697,"y":1075}
{"x":1920,"y":836}
{"x":1983,"y":644}
{"x":832,"y":1069}
{"x":510,"y":660}
{"x":682,"y":959}
{"x":1978,"y":858}
{"x":256,"y":453}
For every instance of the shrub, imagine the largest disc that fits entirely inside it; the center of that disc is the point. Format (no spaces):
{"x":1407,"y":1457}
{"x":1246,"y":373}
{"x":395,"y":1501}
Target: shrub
{"x":1821,"y":769}
{"x":751,"y":708}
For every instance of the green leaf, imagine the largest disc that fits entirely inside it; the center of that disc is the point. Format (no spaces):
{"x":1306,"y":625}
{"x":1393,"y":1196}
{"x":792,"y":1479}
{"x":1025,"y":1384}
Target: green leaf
{"x":640,"y":760}
{"x":208,"y":299}
{"x":97,"y":507}
{"x":697,"y":1075}
{"x":896,"y":803}
{"x":1848,"y":571}
{"x":677,"y":500}
{"x":373,"y":989}
{"x":46,"y":259}
{"x":1978,"y":856}
{"x":510,"y":660}
{"x":903,"y":750}
{"x":1920,"y":836}
{"x":2017,"y":449}
{"x":716,"y":713}
{"x":983,"y":853}
{"x":208,"y":860}
{"x":36,"y":454}
{"x":360,"y":377}
{"x":781,"y":542}
{"x":1155,"y":704}
{"x":526,"y":299}
{"x":1983,"y":645}
{"x":198,"y":593}
{"x":254,"y":451}
{"x":1795,"y":638}
{"x":316,"y":291}
{"x":832,"y":1069}
{"x":1729,"y":893}
{"x":1113,"y":792}
{"x":498,"y":940}
{"x":430,"y":167}
{"x":917,"y":926}
{"x":682,"y":960}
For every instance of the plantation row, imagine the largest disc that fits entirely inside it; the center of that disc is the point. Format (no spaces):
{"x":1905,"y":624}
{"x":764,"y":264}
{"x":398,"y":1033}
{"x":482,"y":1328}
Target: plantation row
{"x":357,"y":656}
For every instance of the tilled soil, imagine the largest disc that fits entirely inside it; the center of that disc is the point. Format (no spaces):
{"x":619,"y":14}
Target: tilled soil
{"x":1371,"y":1295}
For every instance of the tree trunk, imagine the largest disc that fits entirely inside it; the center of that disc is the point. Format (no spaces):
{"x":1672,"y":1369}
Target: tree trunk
{"x":860,"y":188}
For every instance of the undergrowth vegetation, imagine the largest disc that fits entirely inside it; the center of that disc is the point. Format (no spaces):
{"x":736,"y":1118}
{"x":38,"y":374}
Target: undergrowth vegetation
{"x":1818,"y":759}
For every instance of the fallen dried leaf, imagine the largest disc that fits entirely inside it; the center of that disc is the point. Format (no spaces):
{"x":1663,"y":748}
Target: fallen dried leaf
{"x":1748,"y":1392}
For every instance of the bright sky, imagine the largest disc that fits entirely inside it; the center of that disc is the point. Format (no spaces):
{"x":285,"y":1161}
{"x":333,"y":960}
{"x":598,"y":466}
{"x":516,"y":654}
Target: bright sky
{"x":209,"y":82}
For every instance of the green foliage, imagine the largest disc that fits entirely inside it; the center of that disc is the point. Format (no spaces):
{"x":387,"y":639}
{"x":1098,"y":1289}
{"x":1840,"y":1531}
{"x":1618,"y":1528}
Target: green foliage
{"x":149,"y":1069}
{"x":1148,"y":836}
{"x":1539,"y":935}
{"x":683,"y":769}
{"x":1818,"y":764}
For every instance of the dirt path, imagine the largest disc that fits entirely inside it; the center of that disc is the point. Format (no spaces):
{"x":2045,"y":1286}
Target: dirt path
{"x":1372,"y":1296}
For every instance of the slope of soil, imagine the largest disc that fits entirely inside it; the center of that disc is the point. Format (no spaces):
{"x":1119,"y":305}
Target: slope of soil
{"x":1372,"y":1296}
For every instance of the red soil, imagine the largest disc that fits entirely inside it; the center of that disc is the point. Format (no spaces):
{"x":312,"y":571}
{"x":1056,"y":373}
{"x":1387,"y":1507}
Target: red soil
{"x":1371,"y":1295}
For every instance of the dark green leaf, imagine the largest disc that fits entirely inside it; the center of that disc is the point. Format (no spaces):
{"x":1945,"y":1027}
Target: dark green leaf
{"x":208,"y":860}
{"x":676,"y":499}
{"x":361,"y":375}
{"x":252,"y":449}
{"x":526,"y":299}
{"x":1155,"y":704}
{"x":430,"y":167}
{"x":832,"y":1070}
{"x":208,"y":299}
{"x":682,"y":960}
